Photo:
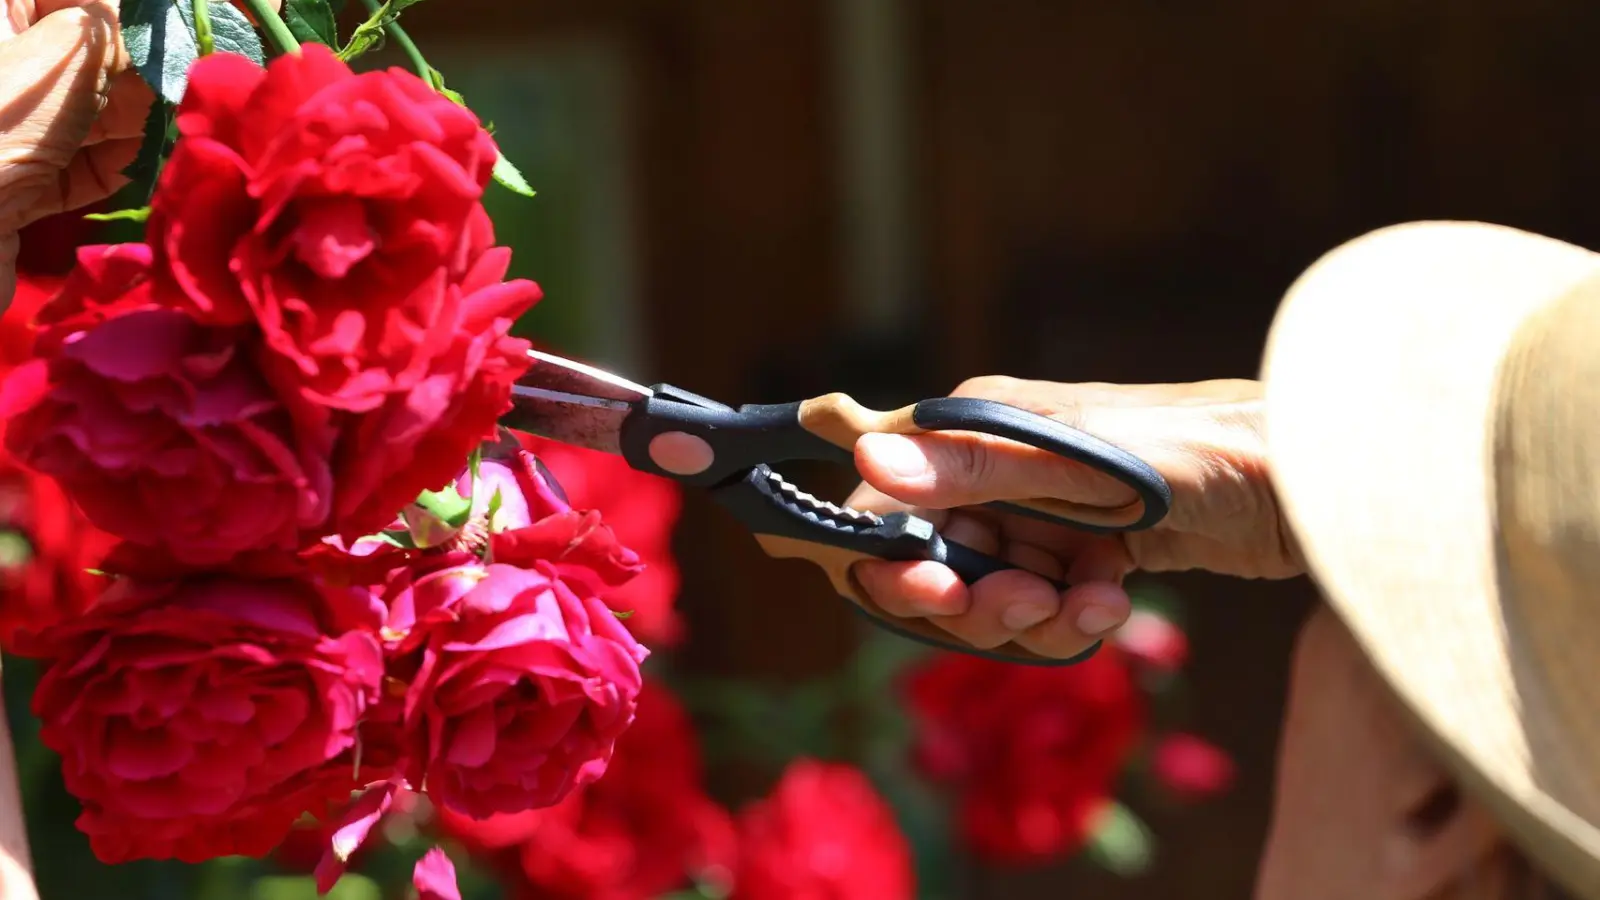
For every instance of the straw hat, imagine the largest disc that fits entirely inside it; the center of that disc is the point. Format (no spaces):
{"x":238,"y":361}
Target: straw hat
{"x":1433,"y":421}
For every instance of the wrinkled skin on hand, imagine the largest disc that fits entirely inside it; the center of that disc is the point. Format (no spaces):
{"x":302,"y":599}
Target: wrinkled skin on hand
{"x":71,"y":113}
{"x":1204,"y":438}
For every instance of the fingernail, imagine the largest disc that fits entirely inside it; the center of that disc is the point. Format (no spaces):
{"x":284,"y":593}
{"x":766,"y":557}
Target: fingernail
{"x":1097,"y":620}
{"x":897,"y":453}
{"x":1023,"y":616}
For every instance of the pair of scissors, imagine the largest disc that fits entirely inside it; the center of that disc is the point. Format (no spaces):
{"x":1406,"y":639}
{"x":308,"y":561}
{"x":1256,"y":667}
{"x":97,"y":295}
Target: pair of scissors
{"x":578,"y":404}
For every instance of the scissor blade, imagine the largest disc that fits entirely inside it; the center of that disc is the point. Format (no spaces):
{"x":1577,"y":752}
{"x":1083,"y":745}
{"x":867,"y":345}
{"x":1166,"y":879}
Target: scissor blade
{"x":557,"y":373}
{"x":573,"y":403}
{"x":592,"y":422}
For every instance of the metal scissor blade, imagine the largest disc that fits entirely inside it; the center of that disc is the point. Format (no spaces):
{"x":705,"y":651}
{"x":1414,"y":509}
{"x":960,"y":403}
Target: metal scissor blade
{"x":573,"y":403}
{"x":592,"y":422}
{"x":557,"y":373}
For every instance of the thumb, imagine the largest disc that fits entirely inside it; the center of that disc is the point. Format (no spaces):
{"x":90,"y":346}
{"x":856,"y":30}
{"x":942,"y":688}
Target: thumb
{"x":942,"y":470}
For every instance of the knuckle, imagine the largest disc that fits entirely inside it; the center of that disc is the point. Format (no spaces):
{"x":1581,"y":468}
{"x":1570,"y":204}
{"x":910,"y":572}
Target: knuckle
{"x":986,"y":386}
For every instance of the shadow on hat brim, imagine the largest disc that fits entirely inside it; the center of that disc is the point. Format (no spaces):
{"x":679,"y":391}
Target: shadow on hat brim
{"x":1380,"y":379}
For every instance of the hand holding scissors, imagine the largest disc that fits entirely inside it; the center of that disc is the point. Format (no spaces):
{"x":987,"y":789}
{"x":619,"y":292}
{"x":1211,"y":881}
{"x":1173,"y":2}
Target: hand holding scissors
{"x":729,"y":453}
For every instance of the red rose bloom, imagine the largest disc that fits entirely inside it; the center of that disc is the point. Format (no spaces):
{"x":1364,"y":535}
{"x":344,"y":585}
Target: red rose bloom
{"x":1032,"y":752}
{"x":47,"y":550}
{"x":643,"y":511}
{"x":521,"y":697}
{"x":199,"y":718}
{"x":341,"y":214}
{"x":161,"y":430}
{"x":823,"y":834}
{"x":645,"y":829}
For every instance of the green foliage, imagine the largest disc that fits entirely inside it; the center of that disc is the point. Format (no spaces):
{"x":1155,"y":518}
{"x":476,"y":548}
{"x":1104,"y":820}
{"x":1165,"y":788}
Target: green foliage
{"x":507,"y":176}
{"x":311,"y":21}
{"x":369,"y":34}
{"x":136,"y":214}
{"x":162,"y":43}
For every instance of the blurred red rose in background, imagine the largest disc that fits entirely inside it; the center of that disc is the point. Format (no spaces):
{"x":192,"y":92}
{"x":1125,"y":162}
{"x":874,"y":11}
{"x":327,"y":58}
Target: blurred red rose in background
{"x":1191,"y":767}
{"x":823,"y":834}
{"x":1031,"y":752}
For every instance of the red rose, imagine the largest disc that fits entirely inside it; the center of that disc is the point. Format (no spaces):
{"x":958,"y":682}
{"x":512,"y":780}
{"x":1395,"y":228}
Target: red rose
{"x":823,"y":834}
{"x":645,"y":829}
{"x":1191,"y":767}
{"x":47,"y":550}
{"x":642,"y":510}
{"x":163,"y":431}
{"x":522,"y":688}
{"x":17,"y":322}
{"x":1032,"y":752}
{"x":201,"y":718}
{"x":341,"y":214}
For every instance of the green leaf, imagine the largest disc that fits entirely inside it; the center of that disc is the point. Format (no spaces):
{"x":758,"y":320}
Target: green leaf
{"x":311,"y":21}
{"x":508,"y":177}
{"x":1121,"y":841}
{"x":158,"y":136}
{"x":369,"y":34}
{"x":437,"y":80}
{"x":505,"y":174}
{"x":160,"y":37}
{"x":448,"y":506}
{"x":139,"y":214}
{"x":623,"y":614}
{"x":495,"y":501}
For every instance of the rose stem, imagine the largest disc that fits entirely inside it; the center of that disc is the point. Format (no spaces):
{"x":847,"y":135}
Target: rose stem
{"x":205,"y":42}
{"x":273,"y":25}
{"x":406,"y":44}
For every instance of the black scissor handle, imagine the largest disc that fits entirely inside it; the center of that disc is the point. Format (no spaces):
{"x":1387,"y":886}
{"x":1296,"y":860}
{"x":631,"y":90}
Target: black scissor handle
{"x":827,"y":428}
{"x":1013,"y":423}
{"x":789,"y":523}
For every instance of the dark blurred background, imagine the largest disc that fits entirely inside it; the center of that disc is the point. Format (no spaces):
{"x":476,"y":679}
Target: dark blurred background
{"x":769,"y":199}
{"x":765,"y":200}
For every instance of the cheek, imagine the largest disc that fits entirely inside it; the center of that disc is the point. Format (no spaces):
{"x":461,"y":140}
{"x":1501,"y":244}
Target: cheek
{"x":1330,"y":813}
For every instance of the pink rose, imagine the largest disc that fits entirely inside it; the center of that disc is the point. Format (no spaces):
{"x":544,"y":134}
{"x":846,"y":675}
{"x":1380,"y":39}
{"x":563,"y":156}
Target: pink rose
{"x":643,"y":511}
{"x":522,"y":687}
{"x":1191,"y":767}
{"x":200,"y":718}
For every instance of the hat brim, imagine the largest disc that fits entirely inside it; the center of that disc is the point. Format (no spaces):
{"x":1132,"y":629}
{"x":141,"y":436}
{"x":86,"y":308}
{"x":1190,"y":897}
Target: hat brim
{"x":1380,"y":378}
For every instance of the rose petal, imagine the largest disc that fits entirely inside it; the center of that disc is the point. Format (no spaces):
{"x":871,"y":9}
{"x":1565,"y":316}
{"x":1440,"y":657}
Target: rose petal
{"x":435,"y":877}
